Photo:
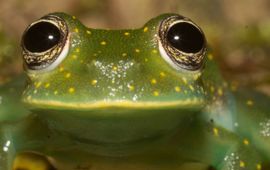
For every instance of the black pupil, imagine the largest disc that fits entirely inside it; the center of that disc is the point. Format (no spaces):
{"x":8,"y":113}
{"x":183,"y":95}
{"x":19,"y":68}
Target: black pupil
{"x":185,"y":37}
{"x":41,"y":37}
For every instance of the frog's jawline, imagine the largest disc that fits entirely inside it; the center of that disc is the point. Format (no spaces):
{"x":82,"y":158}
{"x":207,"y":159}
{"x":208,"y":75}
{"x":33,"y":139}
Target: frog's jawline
{"x":111,"y":104}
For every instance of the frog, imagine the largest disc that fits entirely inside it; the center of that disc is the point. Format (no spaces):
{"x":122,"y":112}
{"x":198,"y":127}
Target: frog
{"x":146,"y":98}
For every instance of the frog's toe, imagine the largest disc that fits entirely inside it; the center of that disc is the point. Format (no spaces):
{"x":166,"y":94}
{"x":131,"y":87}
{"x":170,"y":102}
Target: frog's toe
{"x":32,"y":161}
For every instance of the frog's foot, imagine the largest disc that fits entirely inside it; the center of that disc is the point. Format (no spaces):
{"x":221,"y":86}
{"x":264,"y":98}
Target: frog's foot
{"x":32,"y":161}
{"x":242,"y":157}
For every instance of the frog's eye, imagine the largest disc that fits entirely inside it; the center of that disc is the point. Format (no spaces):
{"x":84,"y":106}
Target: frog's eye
{"x":45,"y":43}
{"x":182,"y":43}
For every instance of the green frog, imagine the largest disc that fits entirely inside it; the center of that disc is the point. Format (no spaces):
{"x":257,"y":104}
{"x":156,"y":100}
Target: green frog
{"x":147,"y":98}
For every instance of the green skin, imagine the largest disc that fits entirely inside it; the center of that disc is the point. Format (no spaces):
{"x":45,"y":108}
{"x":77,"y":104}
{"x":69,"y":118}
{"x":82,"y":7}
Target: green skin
{"x":115,"y":103}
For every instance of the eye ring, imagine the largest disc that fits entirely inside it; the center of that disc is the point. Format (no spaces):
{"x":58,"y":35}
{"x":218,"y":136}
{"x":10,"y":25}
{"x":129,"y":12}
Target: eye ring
{"x":45,"y":43}
{"x":188,"y":52}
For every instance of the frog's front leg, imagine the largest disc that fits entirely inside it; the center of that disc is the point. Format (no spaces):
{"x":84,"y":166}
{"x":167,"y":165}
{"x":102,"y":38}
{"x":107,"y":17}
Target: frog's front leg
{"x":216,"y":146}
{"x":7,"y":149}
{"x":241,"y":156}
{"x":253,"y":119}
{"x":28,"y":134}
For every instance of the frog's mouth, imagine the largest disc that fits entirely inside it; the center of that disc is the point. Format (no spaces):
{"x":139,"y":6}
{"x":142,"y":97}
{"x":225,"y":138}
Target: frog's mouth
{"x":124,"y":104}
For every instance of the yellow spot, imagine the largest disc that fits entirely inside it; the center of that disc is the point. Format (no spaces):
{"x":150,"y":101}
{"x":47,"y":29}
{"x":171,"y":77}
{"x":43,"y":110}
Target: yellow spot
{"x":76,"y":30}
{"x":153,"y":81}
{"x":124,"y":54}
{"x":154,"y":51}
{"x":216,"y":131}
{"x":94,"y":82}
{"x":137,"y":50}
{"x":131,"y":88}
{"x":61,"y":69}
{"x":246,"y":142}
{"x":77,"y":50}
{"x":74,"y":57}
{"x":258,"y":167}
{"x":242,"y":164}
{"x":146,"y":59}
{"x":47,"y":85}
{"x":71,"y":90}
{"x":249,"y":103}
{"x":35,"y":91}
{"x":177,"y":88}
{"x":220,"y":91}
{"x":126,"y":33}
{"x":88,"y":32}
{"x":37,"y":84}
{"x":68,"y":75}
{"x":191,"y":87}
{"x":162,"y":74}
{"x":184,"y":80}
{"x":55,"y":92}
{"x":196,"y":76}
{"x":103,"y":42}
{"x":210,"y":56}
{"x":115,"y":68}
{"x":73,"y":17}
{"x":145,"y":29}
{"x":156,"y":93}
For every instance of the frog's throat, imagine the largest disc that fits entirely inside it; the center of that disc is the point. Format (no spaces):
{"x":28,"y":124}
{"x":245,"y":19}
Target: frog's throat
{"x":114,"y":104}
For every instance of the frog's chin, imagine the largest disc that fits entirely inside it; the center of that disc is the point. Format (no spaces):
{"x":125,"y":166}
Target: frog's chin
{"x":115,"y":123}
{"x":107,"y":130}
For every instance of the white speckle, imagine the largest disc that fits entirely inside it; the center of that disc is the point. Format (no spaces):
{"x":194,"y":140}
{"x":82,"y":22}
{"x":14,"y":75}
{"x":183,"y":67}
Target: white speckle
{"x":135,"y":97}
{"x":76,"y":40}
{"x":231,"y":161}
{"x":6,"y":146}
{"x":8,"y":143}
{"x":236,"y":124}
{"x":115,"y":73}
{"x":265,"y":128}
{"x":5,"y":149}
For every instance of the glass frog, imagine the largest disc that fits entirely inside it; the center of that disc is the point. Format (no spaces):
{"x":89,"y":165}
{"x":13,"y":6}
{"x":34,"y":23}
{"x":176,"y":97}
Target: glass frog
{"x":148,"y":98}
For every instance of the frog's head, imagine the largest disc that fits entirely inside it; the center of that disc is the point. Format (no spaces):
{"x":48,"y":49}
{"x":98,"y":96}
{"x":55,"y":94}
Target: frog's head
{"x":114,"y":85}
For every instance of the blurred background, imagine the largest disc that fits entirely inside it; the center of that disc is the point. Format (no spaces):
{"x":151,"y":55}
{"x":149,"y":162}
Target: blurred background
{"x":238,"y":32}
